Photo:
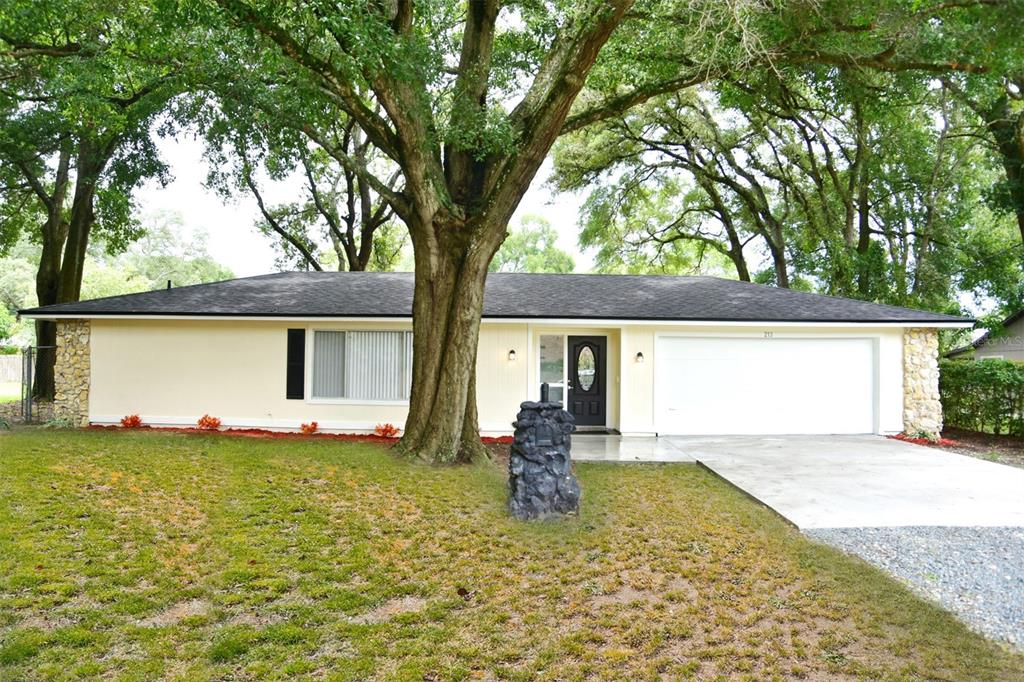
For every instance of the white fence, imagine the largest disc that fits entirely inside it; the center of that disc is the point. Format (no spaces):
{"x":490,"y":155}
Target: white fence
{"x":10,"y":367}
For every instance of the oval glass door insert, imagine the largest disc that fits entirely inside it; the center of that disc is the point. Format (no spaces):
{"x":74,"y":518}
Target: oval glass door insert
{"x":585,"y":369}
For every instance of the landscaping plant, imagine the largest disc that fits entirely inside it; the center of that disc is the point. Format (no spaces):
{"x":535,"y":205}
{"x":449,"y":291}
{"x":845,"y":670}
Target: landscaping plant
{"x":209,"y":423}
{"x":983,"y":395}
{"x":131,"y":421}
{"x":386,"y":430}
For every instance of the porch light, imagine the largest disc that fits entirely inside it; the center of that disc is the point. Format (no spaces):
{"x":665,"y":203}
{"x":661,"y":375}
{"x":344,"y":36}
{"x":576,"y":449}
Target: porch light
{"x":639,"y":358}
{"x":512,"y":355}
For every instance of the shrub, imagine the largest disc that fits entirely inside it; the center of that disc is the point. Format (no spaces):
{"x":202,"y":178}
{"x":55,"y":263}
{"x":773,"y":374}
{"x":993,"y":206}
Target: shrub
{"x":309,"y":428}
{"x":983,"y":395}
{"x":9,"y":350}
{"x":132,"y":421}
{"x":209,"y":423}
{"x":386,"y":430}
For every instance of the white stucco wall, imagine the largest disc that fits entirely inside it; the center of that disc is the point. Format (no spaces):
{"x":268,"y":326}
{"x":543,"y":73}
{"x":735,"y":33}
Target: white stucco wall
{"x":172,"y":372}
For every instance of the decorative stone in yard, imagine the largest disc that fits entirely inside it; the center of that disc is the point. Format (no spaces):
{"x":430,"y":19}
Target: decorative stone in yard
{"x":540,"y":474}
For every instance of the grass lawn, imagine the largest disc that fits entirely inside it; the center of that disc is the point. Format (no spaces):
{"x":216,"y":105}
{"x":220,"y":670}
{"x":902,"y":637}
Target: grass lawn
{"x":9,"y":391}
{"x":145,"y":555}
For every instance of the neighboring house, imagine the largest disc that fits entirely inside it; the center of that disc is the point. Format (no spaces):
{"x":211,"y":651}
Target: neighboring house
{"x":638,"y":354}
{"x":1008,"y":344}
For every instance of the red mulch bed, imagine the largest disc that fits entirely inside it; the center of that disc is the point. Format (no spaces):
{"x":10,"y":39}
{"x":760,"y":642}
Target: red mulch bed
{"x":939,"y":442}
{"x":287,"y":435}
{"x":1002,"y":449}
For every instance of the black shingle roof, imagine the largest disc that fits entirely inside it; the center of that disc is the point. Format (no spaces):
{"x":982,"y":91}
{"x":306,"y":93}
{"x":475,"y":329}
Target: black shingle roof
{"x":515,"y":295}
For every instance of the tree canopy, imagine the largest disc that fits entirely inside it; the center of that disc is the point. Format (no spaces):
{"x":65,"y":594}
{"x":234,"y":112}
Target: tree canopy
{"x":81,"y":83}
{"x":772,"y":116}
{"x":859,"y":186}
{"x":532,"y":248}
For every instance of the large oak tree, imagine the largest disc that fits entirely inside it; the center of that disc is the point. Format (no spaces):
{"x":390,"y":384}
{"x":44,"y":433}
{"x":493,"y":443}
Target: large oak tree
{"x":81,"y":82}
{"x":467,"y":98}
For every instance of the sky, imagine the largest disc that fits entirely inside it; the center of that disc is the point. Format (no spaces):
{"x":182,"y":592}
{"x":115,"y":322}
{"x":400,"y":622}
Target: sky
{"x":234,"y":241}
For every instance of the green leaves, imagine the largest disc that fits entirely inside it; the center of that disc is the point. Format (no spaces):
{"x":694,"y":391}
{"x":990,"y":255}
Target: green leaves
{"x":532,"y":248}
{"x":983,"y":395}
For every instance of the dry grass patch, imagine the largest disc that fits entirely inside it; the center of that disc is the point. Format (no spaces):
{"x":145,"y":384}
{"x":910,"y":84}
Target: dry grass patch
{"x":147,"y":556}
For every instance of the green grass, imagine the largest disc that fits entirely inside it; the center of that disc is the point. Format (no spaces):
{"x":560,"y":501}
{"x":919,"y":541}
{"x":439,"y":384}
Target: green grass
{"x":143,"y":556}
{"x":9,"y":391}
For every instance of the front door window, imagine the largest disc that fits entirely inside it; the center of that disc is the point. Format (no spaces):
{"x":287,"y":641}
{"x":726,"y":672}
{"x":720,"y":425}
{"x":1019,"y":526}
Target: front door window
{"x":585,"y":369}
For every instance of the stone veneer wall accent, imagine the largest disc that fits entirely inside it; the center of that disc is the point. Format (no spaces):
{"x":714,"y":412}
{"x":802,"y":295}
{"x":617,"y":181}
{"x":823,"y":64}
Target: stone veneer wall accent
{"x":922,"y":410}
{"x":71,"y":373}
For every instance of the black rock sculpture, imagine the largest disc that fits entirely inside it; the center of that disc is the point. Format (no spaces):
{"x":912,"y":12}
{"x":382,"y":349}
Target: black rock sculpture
{"x":540,"y":475}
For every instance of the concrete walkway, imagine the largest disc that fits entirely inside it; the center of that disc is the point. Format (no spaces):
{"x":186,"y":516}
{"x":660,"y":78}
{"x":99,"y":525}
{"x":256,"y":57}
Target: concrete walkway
{"x":594,"y":448}
{"x":864,"y":481}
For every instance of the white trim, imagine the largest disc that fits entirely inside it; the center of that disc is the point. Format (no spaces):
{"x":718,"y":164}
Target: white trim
{"x":331,"y":426}
{"x":354,"y":401}
{"x":563,"y":322}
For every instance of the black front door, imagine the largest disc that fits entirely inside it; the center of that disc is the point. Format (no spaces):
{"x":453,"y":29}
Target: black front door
{"x":588,"y":387}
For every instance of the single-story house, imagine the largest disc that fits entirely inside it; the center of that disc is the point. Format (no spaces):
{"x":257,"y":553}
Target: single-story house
{"x":642,"y":355}
{"x":1008,"y":344}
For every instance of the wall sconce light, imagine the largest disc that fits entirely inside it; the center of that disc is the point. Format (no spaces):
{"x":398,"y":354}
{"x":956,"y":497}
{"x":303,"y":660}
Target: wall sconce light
{"x":512,"y":355}
{"x":639,"y":358}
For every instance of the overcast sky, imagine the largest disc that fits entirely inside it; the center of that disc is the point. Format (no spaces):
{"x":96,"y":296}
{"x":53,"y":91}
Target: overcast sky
{"x":236,"y":243}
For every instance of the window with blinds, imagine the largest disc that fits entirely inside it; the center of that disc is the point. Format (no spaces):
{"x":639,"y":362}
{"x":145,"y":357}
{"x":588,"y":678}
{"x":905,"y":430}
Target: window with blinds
{"x":362,"y":365}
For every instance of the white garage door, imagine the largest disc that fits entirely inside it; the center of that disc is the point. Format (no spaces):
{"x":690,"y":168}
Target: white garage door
{"x":735,"y":385}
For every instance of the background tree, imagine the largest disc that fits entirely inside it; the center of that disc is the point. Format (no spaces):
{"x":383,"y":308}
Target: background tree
{"x":836,"y":187}
{"x":532,"y":248}
{"x":80,"y":84}
{"x":341,"y":221}
{"x":468,"y":98}
{"x":1000,"y":108}
{"x":168,"y":250}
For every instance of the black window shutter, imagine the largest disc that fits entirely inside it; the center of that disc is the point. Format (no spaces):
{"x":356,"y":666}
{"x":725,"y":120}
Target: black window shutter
{"x":295,"y":388}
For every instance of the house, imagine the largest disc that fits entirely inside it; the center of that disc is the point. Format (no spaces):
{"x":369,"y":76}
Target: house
{"x":641,"y":355}
{"x":1007,"y":345}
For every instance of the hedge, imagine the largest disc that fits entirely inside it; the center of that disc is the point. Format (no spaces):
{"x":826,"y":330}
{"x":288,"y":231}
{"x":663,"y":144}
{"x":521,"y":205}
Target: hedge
{"x":983,"y":395}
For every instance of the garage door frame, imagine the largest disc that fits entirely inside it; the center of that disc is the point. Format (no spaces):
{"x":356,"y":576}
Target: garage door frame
{"x":768,"y":335}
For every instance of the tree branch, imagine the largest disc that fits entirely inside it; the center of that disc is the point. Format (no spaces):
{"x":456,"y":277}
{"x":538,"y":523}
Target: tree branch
{"x":376,"y":127}
{"x":276,"y":226}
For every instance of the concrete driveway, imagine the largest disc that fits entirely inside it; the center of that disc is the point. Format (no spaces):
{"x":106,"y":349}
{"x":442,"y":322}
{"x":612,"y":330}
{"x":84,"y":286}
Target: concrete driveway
{"x":863,"y":481}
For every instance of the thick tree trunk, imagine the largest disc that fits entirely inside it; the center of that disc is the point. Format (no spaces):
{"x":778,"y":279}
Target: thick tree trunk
{"x":447,"y":306}
{"x":53,"y":235}
{"x":59,"y":277}
{"x":1007,"y":127}
{"x":47,"y":288}
{"x":778,"y":254}
{"x":863,"y":240}
{"x":740,"y":263}
{"x":89,"y":167}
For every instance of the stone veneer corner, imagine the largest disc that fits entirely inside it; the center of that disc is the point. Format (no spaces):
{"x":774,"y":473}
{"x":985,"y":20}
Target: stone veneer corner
{"x":71,"y":372}
{"x":922,"y":410}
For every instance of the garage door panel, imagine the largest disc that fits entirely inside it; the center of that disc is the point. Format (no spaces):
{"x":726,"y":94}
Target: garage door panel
{"x":764,"y":386}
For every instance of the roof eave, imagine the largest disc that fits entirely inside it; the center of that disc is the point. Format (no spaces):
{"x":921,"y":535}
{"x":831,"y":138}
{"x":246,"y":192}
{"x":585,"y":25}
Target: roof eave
{"x":960,"y":323}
